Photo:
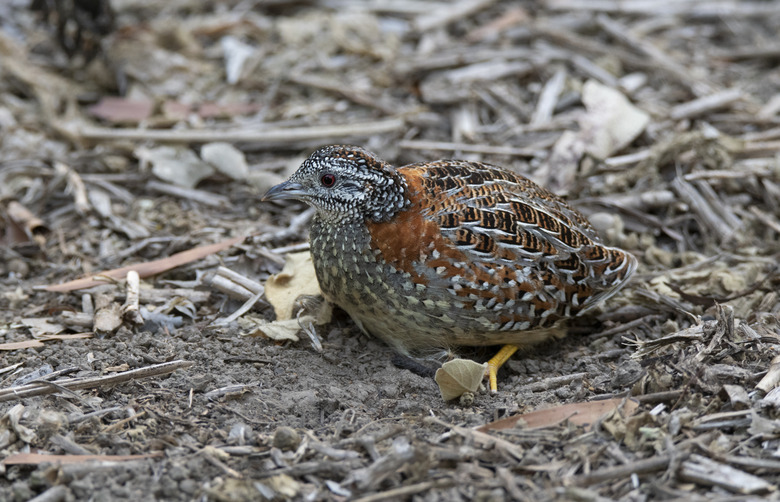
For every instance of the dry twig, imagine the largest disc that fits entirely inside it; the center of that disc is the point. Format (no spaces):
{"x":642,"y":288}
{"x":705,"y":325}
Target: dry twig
{"x":43,"y":388}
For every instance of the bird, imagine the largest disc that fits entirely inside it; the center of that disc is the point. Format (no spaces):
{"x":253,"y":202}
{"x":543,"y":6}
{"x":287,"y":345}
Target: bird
{"x":448,"y":253}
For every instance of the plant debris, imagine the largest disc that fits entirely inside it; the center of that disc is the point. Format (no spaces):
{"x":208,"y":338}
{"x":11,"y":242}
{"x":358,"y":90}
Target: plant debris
{"x":139,"y":263}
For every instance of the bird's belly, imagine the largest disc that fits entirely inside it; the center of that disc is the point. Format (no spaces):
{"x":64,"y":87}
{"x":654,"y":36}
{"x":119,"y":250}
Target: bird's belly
{"x":407,"y":314}
{"x":376,"y":296}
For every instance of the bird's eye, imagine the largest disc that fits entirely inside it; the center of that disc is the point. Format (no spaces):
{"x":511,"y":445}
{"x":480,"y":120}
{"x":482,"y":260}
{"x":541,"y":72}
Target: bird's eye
{"x":328,"y":180}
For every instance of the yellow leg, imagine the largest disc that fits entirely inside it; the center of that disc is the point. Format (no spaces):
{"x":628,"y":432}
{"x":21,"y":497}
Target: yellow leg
{"x":496,"y":362}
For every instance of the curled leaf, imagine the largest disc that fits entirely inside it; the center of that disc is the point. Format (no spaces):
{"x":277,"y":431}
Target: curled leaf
{"x":287,"y":329}
{"x":459,"y":376}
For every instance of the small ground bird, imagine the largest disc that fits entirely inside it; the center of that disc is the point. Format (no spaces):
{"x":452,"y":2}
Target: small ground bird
{"x":447,"y":253}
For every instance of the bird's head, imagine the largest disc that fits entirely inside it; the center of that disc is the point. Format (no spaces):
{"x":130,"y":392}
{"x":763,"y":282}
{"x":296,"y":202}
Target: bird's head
{"x":345,"y":183}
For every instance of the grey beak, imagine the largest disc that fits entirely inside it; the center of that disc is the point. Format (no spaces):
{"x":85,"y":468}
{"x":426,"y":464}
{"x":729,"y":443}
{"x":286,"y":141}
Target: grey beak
{"x":286,"y":190}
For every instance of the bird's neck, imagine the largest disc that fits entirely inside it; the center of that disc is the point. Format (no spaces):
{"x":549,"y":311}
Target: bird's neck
{"x":388,"y":198}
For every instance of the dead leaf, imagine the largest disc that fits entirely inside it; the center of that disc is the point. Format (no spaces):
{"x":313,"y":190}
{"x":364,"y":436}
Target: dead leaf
{"x":41,"y":327}
{"x":121,"y":367}
{"x":459,"y":376}
{"x":296,"y":279}
{"x":612,"y":122}
{"x":14,"y":416}
{"x":609,"y":124}
{"x":22,"y":216}
{"x":236,"y":55}
{"x":27,"y":344}
{"x":763,"y":428}
{"x":226,"y":159}
{"x":287,"y":329}
{"x":585,"y":413}
{"x":122,"y":110}
{"x":637,"y":431}
{"x":175,"y":164}
{"x":14,"y":234}
{"x":286,"y":486}
{"x":108,"y":319}
{"x":23,"y":229}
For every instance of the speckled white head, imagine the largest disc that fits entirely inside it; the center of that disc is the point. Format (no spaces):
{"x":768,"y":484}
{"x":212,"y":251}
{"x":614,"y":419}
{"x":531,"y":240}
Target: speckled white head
{"x":345,"y":183}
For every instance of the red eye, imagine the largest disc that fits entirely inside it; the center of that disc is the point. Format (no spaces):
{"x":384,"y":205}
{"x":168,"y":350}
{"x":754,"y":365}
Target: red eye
{"x":328,"y":180}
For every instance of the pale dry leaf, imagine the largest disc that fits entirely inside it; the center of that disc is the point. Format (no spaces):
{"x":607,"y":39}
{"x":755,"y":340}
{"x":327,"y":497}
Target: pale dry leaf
{"x":733,"y":279}
{"x":611,"y":122}
{"x":236,"y":55}
{"x":284,"y":485}
{"x":108,"y":319}
{"x":114,"y":369}
{"x":360,"y":33}
{"x":15,"y":297}
{"x":459,"y":376}
{"x":297,"y":278}
{"x":287,"y":329}
{"x":763,"y":428}
{"x":42,"y":326}
{"x":177,"y":165}
{"x":613,"y":419}
{"x":226,"y":159}
{"x":14,"y":416}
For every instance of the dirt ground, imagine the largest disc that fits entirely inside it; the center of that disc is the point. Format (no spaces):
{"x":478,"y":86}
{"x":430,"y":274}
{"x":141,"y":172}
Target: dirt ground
{"x":132,"y":135}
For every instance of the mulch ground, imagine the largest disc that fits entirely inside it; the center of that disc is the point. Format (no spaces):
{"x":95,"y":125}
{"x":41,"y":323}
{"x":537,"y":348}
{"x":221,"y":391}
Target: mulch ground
{"x":140,"y":136}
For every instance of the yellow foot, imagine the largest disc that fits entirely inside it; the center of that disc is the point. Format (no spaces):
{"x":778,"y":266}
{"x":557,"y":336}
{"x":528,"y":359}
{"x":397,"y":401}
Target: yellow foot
{"x":496,"y":362}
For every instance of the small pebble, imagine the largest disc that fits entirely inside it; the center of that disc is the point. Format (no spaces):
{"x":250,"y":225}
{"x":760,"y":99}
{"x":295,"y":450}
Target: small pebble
{"x":286,"y":438}
{"x":467,"y":399}
{"x":188,"y":486}
{"x":18,"y":267}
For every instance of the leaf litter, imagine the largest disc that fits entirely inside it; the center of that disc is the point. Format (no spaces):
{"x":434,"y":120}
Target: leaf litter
{"x":145,"y":143}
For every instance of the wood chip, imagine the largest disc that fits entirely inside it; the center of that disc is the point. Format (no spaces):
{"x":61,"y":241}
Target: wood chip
{"x":708,"y":472}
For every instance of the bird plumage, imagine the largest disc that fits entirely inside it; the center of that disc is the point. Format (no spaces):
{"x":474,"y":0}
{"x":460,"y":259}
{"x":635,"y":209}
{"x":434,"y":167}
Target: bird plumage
{"x":450,"y":252}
